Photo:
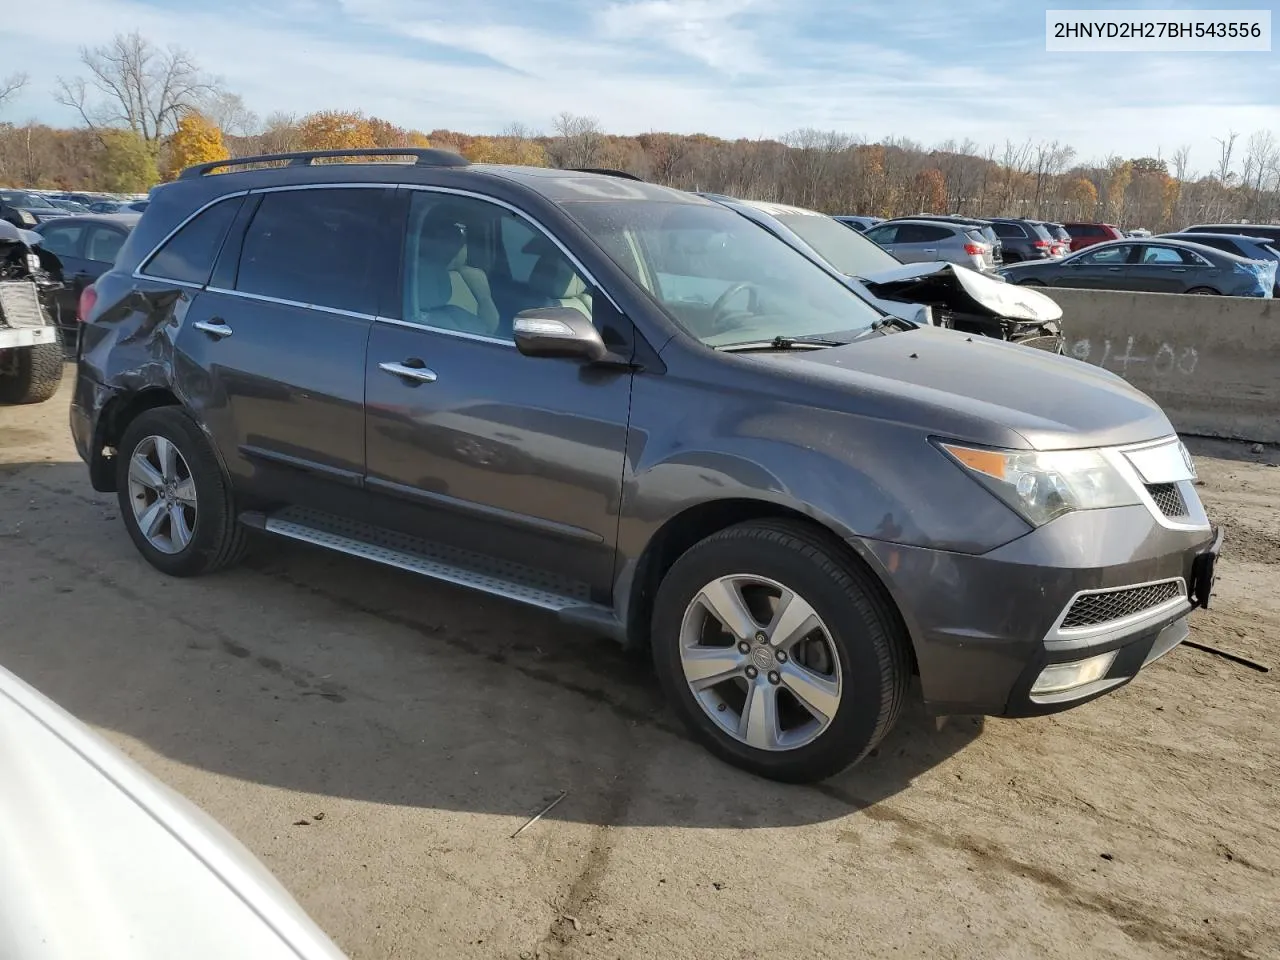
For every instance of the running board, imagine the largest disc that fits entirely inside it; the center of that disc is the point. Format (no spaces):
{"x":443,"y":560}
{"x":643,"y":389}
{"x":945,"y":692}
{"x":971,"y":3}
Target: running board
{"x":463,"y":568}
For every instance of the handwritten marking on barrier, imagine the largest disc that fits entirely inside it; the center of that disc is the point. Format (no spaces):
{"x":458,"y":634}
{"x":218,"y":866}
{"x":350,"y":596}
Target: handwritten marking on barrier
{"x":1167,"y":361}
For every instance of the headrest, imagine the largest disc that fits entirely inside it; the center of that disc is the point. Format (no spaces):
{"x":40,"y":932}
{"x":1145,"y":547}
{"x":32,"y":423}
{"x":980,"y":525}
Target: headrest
{"x":435,"y":288}
{"x":553,"y":276}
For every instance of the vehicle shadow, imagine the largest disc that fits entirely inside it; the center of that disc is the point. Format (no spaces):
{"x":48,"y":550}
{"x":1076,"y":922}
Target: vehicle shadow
{"x":315,"y":672}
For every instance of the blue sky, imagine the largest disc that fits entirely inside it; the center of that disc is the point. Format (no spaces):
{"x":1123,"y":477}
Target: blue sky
{"x":928,"y":70}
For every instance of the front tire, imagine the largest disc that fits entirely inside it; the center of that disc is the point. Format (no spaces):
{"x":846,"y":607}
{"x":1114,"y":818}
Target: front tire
{"x":782,"y":655}
{"x":1032,"y":282}
{"x":176,"y":502}
{"x":1203,"y":292}
{"x":32,"y":374}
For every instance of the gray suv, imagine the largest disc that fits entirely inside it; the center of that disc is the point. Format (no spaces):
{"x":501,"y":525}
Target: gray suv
{"x":633,"y":408}
{"x":921,"y":241}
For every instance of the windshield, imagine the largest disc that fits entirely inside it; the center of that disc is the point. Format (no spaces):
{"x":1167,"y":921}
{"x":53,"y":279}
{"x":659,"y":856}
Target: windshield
{"x":849,"y":252}
{"x":719,"y":276}
{"x":19,"y":198}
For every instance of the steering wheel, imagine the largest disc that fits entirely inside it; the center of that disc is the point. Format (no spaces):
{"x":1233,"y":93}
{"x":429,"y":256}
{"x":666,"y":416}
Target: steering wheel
{"x":720,"y":314}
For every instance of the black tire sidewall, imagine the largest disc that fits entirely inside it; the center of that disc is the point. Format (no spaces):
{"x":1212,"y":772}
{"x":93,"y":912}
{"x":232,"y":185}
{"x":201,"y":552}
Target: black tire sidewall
{"x":212,"y":515}
{"x":848,"y":612}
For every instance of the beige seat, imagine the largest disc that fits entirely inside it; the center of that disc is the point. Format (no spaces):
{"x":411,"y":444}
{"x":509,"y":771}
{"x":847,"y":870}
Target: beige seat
{"x":554,"y":278}
{"x":442,"y":253}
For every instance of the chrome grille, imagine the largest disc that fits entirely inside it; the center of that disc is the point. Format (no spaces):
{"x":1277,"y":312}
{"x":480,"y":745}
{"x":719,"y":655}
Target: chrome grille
{"x":1168,"y":498}
{"x":1094,"y":609}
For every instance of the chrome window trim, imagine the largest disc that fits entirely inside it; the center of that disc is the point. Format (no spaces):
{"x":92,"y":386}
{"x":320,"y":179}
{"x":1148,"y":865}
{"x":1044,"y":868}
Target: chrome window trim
{"x":280,"y":301}
{"x":425,"y":188}
{"x":1073,"y":638}
{"x":460,"y":334}
{"x":142,"y":264}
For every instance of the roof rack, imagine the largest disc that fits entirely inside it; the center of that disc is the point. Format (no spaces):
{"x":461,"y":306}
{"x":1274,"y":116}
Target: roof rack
{"x":605,"y":172}
{"x":424,"y":157}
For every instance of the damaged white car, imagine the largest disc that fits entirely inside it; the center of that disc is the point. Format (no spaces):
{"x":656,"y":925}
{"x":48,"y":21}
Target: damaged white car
{"x":939,"y":293}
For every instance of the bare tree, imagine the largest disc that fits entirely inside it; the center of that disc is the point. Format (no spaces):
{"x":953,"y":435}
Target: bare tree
{"x":227,"y":111}
{"x":578,"y":141}
{"x":11,"y":85}
{"x":1226,"y":144}
{"x":135,"y":84}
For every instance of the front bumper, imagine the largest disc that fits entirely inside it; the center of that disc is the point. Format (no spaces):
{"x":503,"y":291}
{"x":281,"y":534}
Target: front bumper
{"x":984,"y":628}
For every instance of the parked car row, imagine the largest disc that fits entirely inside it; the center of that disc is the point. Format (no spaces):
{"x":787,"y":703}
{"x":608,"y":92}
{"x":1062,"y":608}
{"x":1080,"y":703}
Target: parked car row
{"x":27,"y":208}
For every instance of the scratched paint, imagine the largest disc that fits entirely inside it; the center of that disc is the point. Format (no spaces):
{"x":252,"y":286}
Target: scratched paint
{"x":1119,"y":356}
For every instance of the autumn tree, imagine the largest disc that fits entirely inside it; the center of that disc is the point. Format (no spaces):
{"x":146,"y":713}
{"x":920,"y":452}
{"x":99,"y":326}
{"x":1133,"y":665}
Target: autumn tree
{"x":335,"y":130}
{"x":931,"y":191}
{"x":126,"y":163}
{"x":1081,"y":196}
{"x":134,"y":84}
{"x":195,"y":141}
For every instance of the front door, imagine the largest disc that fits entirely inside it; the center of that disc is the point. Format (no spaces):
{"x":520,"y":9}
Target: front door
{"x":1100,"y":269}
{"x":272,"y":352}
{"x":469,"y":442}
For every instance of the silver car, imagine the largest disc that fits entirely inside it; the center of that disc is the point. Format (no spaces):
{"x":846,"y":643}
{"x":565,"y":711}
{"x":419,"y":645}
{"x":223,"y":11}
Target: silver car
{"x":922,"y":241}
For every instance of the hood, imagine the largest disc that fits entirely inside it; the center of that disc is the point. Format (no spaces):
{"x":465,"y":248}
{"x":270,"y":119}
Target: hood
{"x":962,"y":289}
{"x":984,"y":390}
{"x":11,"y":234}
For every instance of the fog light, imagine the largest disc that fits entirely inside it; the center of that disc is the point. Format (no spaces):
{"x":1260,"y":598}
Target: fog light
{"x":1059,"y":677}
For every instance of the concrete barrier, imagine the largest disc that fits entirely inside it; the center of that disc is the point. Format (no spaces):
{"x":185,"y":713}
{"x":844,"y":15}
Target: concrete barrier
{"x":1212,"y":363}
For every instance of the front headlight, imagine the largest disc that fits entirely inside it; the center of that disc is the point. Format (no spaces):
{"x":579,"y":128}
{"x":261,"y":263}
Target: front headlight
{"x":1042,"y":485}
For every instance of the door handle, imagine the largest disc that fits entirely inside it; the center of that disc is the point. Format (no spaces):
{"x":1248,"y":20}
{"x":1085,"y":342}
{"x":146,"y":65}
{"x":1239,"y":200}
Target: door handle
{"x":1179,"y":269}
{"x":1113,"y":269}
{"x":411,"y":369}
{"x":216,"y":327}
{"x":930,"y":249}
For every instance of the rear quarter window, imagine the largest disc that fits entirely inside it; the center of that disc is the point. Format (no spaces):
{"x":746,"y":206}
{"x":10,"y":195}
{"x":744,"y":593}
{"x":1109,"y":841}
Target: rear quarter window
{"x":188,"y":256}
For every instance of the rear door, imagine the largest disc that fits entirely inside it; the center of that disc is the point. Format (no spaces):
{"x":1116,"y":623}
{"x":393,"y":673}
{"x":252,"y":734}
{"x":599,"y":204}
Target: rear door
{"x":1157,"y":268}
{"x":922,"y":243}
{"x":272,"y":350}
{"x":66,"y":241}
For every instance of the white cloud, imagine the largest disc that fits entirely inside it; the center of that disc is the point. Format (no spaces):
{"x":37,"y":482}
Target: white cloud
{"x":728,"y":67}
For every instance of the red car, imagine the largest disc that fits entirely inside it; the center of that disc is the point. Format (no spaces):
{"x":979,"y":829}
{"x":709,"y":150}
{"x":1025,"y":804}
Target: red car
{"x":1086,"y":234}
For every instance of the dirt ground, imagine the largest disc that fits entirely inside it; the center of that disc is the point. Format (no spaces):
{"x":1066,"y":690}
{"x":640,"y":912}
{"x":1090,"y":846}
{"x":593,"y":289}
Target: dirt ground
{"x":426,"y":724}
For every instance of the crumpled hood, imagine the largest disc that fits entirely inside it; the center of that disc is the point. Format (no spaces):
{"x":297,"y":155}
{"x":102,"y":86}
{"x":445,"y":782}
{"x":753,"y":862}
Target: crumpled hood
{"x":983,"y":390}
{"x":987,"y":294}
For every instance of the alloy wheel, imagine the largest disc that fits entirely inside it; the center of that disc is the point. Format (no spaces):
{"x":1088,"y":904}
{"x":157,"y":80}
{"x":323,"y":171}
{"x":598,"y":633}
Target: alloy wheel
{"x":760,"y":662}
{"x":163,"y":494}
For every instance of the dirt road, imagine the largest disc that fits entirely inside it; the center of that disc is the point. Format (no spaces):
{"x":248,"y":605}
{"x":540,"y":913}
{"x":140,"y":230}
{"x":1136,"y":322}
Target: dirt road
{"x":376,"y":739}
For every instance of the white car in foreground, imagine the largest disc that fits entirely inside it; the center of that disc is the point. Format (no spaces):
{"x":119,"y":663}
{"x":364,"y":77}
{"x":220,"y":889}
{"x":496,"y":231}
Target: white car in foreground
{"x":99,"y":859}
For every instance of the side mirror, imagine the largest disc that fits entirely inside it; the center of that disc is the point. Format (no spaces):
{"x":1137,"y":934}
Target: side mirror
{"x":558,"y":332}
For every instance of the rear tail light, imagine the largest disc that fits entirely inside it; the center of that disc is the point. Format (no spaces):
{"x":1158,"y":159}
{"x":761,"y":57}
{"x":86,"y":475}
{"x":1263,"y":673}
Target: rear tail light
{"x":976,"y":250}
{"x":88,"y":298}
{"x":1043,"y":244}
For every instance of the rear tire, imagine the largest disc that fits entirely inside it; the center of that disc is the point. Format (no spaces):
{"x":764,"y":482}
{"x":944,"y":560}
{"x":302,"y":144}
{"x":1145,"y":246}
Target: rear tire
{"x":176,"y":502}
{"x":34,"y":374}
{"x":1031,"y":282}
{"x":1204,"y":292}
{"x":850,"y":659}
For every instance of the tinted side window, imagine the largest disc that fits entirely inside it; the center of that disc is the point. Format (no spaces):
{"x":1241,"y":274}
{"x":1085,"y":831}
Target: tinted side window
{"x":103,"y":244}
{"x":1008,"y":230}
{"x":316,"y":247}
{"x":1110,"y":256}
{"x":1161,"y":255}
{"x":190,"y":253}
{"x":922,"y":233}
{"x":1220,"y":243}
{"x":63,"y":240}
{"x":883,"y":234}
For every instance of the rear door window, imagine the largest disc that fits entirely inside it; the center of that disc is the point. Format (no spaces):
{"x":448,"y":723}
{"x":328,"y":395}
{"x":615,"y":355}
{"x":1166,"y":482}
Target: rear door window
{"x":922,"y":233}
{"x":316,"y":248}
{"x":188,"y":256}
{"x":1161,"y":255}
{"x":103,"y":244}
{"x":1008,"y":230}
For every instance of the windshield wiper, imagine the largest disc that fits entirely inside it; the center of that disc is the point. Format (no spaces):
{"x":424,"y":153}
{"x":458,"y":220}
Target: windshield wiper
{"x":884,"y":326}
{"x":783,"y":343}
